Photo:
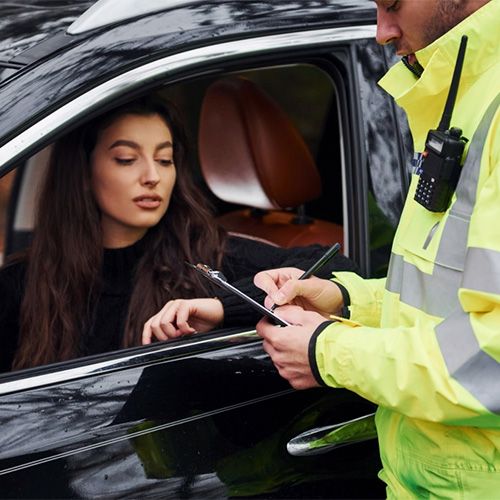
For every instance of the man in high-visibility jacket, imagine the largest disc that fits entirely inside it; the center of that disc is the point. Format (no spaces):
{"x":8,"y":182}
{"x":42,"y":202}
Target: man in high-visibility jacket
{"x":428,"y":348}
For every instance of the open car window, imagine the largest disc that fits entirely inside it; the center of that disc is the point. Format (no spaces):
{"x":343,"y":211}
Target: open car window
{"x":306,"y":93}
{"x":314,"y":92}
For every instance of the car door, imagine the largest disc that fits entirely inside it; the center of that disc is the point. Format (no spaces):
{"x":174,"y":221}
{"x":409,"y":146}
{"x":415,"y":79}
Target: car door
{"x":196,"y":417}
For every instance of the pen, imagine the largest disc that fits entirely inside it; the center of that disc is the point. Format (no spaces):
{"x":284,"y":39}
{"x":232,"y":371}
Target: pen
{"x":333,"y":250}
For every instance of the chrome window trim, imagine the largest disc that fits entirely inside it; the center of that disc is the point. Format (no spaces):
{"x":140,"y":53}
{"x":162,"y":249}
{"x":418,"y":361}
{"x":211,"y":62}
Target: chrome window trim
{"x":167,"y":352}
{"x":345,"y":209}
{"x":13,"y":150}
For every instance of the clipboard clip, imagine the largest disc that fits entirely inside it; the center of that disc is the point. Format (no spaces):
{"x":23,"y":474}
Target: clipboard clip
{"x":205,"y":269}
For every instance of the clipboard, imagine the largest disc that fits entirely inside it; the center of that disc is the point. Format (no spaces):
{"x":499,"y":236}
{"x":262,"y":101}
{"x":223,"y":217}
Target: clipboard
{"x":220,"y":280}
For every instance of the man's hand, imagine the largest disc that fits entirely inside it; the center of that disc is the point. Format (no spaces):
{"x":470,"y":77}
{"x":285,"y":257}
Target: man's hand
{"x":183,"y":317}
{"x":288,"y":346}
{"x":313,"y":294}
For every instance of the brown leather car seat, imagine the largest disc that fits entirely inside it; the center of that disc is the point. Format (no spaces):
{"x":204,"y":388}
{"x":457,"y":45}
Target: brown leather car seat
{"x":251,"y":154}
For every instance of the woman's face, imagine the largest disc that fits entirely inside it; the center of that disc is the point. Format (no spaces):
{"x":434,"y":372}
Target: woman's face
{"x":133,"y":175}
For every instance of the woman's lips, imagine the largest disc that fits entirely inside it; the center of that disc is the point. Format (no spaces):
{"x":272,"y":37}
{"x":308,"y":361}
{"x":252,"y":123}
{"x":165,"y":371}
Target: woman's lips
{"x":148,"y":201}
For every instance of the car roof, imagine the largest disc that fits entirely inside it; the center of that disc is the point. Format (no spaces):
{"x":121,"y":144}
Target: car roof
{"x":62,"y":65}
{"x":24,"y":23}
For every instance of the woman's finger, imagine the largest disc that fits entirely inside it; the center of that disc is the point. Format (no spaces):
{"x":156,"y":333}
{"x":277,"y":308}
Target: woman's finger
{"x":182,"y":318}
{"x":147,"y":333}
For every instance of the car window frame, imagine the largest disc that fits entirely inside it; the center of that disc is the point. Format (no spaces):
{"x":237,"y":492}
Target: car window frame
{"x":138,"y":79}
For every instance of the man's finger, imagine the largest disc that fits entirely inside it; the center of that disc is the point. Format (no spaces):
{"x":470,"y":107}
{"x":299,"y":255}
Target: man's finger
{"x":266,"y":281}
{"x":266,"y":330}
{"x":295,"y":288}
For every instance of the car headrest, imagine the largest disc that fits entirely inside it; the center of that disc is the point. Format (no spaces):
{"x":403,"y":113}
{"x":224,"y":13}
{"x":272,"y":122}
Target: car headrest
{"x":250,"y":151}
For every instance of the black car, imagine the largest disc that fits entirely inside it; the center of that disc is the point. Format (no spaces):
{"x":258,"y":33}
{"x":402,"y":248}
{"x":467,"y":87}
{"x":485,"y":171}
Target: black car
{"x":204,"y":416}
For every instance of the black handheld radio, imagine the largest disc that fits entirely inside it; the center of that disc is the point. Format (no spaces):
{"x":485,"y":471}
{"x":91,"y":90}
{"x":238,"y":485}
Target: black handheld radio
{"x":444,"y":147}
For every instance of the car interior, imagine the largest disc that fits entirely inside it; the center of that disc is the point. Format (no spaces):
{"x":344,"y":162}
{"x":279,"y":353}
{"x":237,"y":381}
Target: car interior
{"x":251,"y":153}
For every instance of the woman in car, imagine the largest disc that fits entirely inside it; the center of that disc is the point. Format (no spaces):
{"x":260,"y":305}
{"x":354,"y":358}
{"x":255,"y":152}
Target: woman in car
{"x":118,"y":216}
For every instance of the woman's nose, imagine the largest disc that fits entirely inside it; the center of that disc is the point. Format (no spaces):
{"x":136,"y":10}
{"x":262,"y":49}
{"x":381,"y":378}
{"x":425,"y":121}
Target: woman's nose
{"x":150,"y":175}
{"x":388,"y":29}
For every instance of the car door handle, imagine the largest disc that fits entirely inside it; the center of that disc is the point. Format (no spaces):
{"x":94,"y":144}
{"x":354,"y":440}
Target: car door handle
{"x":323,"y":439}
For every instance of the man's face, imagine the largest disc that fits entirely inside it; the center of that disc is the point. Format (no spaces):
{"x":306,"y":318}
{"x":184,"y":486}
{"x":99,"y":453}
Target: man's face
{"x":413,"y":24}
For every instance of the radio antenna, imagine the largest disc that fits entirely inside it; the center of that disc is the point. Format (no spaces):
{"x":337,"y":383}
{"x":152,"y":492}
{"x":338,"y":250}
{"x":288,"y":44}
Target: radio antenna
{"x":452,"y":94}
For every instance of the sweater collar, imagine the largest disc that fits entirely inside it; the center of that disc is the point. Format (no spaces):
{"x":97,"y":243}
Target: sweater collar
{"x":119,"y":264}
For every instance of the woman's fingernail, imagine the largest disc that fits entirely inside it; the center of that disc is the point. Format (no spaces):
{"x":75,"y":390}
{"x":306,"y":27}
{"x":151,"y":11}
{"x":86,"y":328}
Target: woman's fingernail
{"x":278,"y":297}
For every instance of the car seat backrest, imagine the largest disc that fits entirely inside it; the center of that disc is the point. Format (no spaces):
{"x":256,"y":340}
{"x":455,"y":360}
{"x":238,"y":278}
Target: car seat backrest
{"x":23,"y":201}
{"x":252,"y":154}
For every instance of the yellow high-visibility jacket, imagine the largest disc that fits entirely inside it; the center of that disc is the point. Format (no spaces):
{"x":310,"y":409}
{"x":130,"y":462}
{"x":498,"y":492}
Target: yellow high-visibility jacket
{"x":428,"y":352}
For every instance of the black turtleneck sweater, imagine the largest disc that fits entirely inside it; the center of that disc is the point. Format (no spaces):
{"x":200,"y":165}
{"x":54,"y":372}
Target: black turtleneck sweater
{"x":242,"y":260}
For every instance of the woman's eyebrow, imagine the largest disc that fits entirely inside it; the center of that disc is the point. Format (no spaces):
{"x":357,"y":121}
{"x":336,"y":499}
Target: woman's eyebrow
{"x":134,"y":145}
{"x":163,"y":145}
{"x":123,"y":142}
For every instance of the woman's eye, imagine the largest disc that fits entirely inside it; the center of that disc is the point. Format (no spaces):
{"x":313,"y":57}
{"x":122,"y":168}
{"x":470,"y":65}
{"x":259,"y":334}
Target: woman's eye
{"x":124,"y":161}
{"x":165,"y":162}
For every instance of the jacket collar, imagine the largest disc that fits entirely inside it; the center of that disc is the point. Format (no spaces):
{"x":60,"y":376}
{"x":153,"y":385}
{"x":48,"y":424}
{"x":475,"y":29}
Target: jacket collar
{"x":438,"y":60}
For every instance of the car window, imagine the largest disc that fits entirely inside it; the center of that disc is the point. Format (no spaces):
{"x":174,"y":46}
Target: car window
{"x":189,"y":416}
{"x":306,"y":93}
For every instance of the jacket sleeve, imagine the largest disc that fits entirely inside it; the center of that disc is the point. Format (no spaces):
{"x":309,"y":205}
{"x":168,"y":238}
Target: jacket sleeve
{"x":364,"y":297}
{"x":448,"y":372}
{"x":246,"y":257}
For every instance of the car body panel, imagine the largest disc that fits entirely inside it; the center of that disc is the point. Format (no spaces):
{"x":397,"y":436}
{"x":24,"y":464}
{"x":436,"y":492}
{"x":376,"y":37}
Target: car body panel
{"x":201,"y":419}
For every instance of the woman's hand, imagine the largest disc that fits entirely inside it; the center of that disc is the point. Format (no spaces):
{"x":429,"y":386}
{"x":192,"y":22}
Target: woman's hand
{"x":183,"y":317}
{"x":312,"y":294}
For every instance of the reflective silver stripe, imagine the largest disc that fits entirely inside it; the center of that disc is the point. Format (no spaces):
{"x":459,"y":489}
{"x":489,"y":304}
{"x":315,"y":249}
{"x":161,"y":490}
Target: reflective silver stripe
{"x":427,"y":292}
{"x":482,"y":270}
{"x":475,"y":370}
{"x":431,"y":293}
{"x":431,"y":234}
{"x":453,"y":244}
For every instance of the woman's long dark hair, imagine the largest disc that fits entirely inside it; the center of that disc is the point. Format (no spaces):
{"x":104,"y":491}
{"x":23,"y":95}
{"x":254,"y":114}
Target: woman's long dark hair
{"x":65,"y":258}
